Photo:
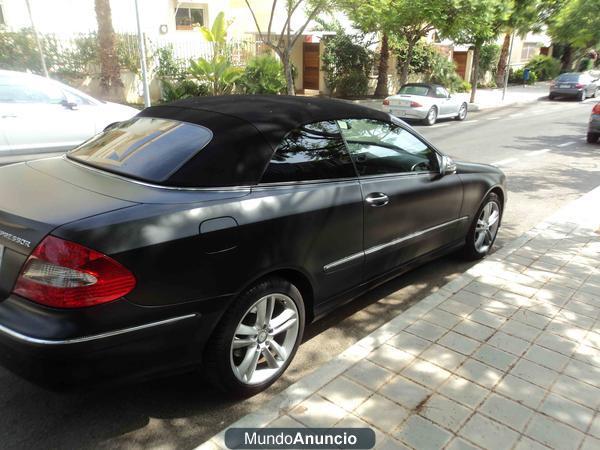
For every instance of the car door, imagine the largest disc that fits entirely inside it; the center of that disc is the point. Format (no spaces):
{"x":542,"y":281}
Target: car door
{"x":311,"y":206}
{"x":447,"y":106}
{"x":410,"y":209}
{"x":37,"y":117}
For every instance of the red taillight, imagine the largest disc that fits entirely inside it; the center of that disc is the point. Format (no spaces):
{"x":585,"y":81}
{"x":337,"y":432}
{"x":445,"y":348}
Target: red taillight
{"x":386,"y":102}
{"x":596,"y":109}
{"x":415,"y":105}
{"x":63,"y":274}
{"x":579,"y":85}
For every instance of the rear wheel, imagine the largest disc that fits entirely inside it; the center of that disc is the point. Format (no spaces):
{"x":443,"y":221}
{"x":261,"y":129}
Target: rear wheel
{"x":551,"y":96}
{"x":431,"y":118}
{"x":257,"y":338}
{"x":462,"y":112}
{"x":592,"y":138}
{"x":484,"y":229}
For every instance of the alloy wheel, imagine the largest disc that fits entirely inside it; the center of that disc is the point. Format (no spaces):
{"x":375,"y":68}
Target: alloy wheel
{"x":462,"y":112}
{"x":432,"y":116}
{"x":487,"y":227}
{"x":264,"y":339}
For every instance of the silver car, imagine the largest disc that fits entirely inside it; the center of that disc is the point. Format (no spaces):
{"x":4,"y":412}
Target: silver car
{"x":579,"y":85}
{"x":425,"y":101}
{"x":38,"y":114}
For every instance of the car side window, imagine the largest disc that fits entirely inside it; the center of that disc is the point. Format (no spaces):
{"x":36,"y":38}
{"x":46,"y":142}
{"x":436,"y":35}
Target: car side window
{"x":28,"y":91}
{"x":440,"y":92}
{"x":379,"y":148}
{"x":311,"y":152}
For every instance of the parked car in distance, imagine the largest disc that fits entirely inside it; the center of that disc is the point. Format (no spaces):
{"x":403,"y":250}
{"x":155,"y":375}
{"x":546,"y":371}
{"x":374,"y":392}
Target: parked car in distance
{"x":426,"y":102}
{"x":208,"y":232}
{"x":593,"y":133}
{"x":579,"y":85}
{"x":38,"y":114}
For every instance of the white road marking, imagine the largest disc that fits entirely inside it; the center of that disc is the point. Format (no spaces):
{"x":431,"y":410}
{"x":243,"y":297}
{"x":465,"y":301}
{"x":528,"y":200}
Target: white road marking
{"x":538,"y":152}
{"x":439,"y":125}
{"x":517,"y":115}
{"x":493,"y":118}
{"x":504,"y":162}
{"x":471,"y":121}
{"x":566,"y":144}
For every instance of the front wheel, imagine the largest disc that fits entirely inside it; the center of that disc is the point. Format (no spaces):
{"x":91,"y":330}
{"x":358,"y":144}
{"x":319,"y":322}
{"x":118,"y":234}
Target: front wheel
{"x":484,"y":229}
{"x":592,"y":138}
{"x":581,"y":96}
{"x":462,"y":112}
{"x":257,"y":338}
{"x":431,"y":118}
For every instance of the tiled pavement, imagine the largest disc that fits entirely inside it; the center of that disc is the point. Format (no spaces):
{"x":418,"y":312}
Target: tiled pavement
{"x":507,"y":356}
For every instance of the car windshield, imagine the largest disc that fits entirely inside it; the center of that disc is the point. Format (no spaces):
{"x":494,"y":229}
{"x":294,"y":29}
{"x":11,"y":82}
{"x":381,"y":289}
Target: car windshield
{"x":144,"y":148}
{"x":414,"y":90}
{"x":569,"y":77}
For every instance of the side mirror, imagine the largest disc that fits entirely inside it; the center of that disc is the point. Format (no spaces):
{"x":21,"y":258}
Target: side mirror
{"x":69,"y":105}
{"x":447,"y":166}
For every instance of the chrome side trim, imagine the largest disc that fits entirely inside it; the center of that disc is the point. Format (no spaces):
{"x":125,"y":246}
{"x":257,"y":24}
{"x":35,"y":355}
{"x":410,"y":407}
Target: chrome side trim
{"x":51,"y":342}
{"x":155,"y":186}
{"x":413,"y":235}
{"x":377,"y":248}
{"x":339,"y":262}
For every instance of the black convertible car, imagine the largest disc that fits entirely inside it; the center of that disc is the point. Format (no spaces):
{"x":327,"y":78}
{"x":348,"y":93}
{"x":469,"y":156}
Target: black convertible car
{"x":209,"y":232}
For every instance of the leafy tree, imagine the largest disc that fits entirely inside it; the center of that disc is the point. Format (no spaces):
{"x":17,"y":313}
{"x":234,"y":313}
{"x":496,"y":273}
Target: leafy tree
{"x":283,"y":41}
{"x":480,"y":23}
{"x":110,"y":72}
{"x":217,"y":72}
{"x":576,"y":24}
{"x":410,"y":20}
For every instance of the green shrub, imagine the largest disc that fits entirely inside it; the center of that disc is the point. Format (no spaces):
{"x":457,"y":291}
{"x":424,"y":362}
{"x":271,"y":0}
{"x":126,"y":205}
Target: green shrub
{"x":516,"y":77}
{"x":545,"y":67}
{"x":168,"y":66}
{"x":423,"y":57}
{"x":347,"y":63}
{"x":263,"y":75}
{"x":353,"y":84}
{"x":179,"y":89}
{"x":488,"y":59}
{"x":585,"y":64}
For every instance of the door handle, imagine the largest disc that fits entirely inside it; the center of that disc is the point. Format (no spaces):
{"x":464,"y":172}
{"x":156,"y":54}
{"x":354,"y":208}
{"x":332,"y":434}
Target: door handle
{"x":377,"y":199}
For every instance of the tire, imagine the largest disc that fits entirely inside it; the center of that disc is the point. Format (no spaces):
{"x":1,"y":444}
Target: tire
{"x":594,"y":93}
{"x":551,"y":96}
{"x":471,"y":250}
{"x":581,"y":96}
{"x":462,"y":112}
{"x":221,"y":359}
{"x":592,"y":138}
{"x":431,"y":118}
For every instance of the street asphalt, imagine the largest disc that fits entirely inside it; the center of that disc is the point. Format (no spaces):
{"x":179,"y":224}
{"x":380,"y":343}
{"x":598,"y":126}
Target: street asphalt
{"x":541,"y":147}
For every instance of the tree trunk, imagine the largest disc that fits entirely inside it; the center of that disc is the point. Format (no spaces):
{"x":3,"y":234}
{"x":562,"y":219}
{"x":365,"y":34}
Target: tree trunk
{"x":503,"y":61}
{"x":567,"y":58}
{"x":475,"y":72}
{"x":110,"y":74}
{"x":406,"y":64}
{"x":289,"y":76}
{"x":381,"y":90}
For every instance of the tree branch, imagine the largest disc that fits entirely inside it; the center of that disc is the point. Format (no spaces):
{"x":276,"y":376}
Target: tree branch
{"x":288,"y":20}
{"x":303,"y":27}
{"x":260,"y":34}
{"x":270,"y":19}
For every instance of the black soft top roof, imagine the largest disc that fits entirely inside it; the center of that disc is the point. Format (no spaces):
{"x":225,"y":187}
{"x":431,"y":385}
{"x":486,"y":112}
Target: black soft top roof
{"x":246,"y":130}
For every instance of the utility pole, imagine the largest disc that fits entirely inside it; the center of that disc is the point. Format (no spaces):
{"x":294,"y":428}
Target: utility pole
{"x":142,"y":46}
{"x":510,"y":49}
{"x":37,"y":40}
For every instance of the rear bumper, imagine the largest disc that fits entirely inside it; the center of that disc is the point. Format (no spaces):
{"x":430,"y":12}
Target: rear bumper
{"x":408,"y":113}
{"x":569,"y":91}
{"x":55,"y":357}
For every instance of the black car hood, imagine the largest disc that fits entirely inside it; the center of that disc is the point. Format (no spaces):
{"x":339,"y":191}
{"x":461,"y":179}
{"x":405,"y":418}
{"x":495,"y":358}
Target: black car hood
{"x":467,"y":167}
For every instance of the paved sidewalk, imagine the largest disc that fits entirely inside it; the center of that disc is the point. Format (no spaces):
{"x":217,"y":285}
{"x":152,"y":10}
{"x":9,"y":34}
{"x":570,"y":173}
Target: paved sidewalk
{"x":507,"y":356}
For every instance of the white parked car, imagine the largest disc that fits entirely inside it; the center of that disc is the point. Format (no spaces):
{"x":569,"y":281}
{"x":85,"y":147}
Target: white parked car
{"x":425,"y":101}
{"x":42,"y":115}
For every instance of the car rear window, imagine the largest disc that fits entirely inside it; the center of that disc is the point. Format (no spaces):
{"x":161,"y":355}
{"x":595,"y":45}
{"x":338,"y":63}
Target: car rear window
{"x":145,"y":148}
{"x":569,"y":77}
{"x":414,"y":90}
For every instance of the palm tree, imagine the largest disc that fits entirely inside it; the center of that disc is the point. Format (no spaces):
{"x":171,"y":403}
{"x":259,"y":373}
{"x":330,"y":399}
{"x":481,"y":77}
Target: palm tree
{"x":111,"y":85}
